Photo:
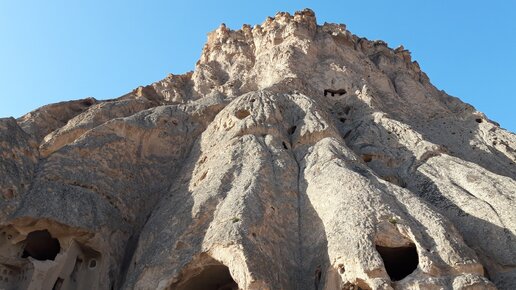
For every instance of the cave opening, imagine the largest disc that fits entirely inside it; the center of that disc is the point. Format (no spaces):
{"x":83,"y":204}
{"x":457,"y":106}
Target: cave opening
{"x":339,"y":92}
{"x":41,"y":246}
{"x":211,"y":277}
{"x":399,"y":261}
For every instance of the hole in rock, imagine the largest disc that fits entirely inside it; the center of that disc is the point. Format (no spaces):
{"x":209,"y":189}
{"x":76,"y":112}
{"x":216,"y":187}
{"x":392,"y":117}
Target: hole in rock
{"x":240,"y":114}
{"x":211,"y":277}
{"x":291,"y":130}
{"x":367,"y":158}
{"x":285,"y":145}
{"x":41,"y":246}
{"x":342,"y":120}
{"x":400,"y":261}
{"x":92,"y":264}
{"x":339,"y":92}
{"x":478,"y":120}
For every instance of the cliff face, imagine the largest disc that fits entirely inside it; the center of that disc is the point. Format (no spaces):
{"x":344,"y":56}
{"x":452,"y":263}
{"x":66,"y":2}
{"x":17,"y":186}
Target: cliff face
{"x":295,"y":156}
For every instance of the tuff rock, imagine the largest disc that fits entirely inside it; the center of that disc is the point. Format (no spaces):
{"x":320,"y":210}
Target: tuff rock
{"x":294,"y":156}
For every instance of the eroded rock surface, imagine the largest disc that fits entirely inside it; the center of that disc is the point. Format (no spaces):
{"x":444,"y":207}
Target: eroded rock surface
{"x":294,"y":156}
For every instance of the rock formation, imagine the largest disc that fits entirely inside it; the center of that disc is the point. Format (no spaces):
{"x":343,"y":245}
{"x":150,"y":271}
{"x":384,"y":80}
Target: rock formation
{"x":294,"y":156}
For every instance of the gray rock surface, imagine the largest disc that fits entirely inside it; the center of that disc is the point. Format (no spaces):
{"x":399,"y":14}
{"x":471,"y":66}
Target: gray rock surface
{"x":294,"y":156}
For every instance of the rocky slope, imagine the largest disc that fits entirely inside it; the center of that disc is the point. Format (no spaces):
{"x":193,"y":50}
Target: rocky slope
{"x":295,"y":156}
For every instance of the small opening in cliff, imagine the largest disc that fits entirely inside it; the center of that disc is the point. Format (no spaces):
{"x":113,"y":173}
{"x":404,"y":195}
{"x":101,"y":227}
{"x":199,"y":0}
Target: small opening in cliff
{"x":211,"y":277}
{"x":400,"y":261}
{"x":240,"y":114}
{"x":291,"y":130}
{"x":92,"y":264}
{"x":478,"y":120}
{"x":339,"y":92}
{"x":41,"y":246}
{"x":367,"y":158}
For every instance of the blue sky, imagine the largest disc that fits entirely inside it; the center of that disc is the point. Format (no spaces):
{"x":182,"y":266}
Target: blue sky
{"x":58,"y":50}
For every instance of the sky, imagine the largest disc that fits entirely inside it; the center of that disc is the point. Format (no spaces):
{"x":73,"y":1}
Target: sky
{"x":58,"y":50}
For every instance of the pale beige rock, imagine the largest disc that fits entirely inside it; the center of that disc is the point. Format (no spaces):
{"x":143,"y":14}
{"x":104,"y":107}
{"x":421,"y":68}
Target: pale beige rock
{"x":46,"y":119}
{"x":294,"y":156}
{"x":95,"y":116}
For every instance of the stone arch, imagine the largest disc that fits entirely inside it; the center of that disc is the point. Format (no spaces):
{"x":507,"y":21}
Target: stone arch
{"x":206,"y":273}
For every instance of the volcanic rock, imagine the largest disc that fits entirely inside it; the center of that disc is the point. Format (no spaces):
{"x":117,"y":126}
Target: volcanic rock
{"x":294,"y":156}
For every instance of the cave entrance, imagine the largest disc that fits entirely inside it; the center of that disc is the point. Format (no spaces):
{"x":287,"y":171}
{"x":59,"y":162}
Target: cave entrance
{"x":41,"y":246}
{"x":339,"y":92}
{"x":400,"y":261}
{"x":211,"y":277}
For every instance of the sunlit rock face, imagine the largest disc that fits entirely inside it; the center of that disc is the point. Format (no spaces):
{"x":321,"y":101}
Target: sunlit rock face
{"x":294,"y":156}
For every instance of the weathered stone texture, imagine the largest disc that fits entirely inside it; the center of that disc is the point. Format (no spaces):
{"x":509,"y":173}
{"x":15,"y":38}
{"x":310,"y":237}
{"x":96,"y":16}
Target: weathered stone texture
{"x":294,"y":156}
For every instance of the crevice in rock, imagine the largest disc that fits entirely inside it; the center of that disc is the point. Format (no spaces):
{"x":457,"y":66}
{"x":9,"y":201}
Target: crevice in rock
{"x":299,"y":225}
{"x":399,"y":261}
{"x":291,"y":130}
{"x":58,"y":284}
{"x":284,"y":145}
